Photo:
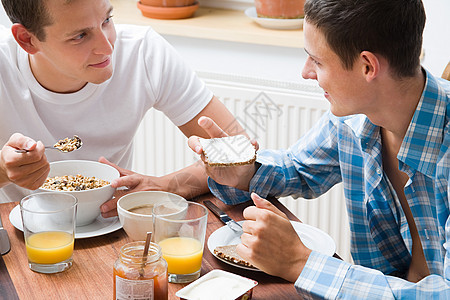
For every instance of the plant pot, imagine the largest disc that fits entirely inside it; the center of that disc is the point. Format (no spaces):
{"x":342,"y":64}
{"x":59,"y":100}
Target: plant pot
{"x":168,"y":3}
{"x":280,"y":9}
{"x":168,"y":12}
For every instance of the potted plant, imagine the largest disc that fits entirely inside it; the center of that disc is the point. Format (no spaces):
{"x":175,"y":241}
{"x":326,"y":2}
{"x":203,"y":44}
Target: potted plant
{"x":280,"y":9}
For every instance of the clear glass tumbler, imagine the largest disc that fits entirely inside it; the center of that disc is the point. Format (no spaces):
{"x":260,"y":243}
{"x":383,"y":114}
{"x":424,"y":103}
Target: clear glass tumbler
{"x":180,"y":232}
{"x":49,"y":227}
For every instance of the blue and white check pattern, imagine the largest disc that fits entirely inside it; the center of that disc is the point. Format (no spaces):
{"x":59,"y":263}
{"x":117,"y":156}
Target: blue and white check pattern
{"x":348,"y":150}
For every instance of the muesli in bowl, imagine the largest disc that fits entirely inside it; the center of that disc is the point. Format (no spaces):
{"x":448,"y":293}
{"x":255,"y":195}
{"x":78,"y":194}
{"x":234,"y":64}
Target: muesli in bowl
{"x":76,"y":178}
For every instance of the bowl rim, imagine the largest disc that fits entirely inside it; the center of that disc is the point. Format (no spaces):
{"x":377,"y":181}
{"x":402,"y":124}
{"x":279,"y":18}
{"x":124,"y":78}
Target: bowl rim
{"x":129,"y":213}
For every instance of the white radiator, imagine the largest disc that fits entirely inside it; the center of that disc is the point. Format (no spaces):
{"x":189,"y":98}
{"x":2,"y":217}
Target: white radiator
{"x":276,"y":114}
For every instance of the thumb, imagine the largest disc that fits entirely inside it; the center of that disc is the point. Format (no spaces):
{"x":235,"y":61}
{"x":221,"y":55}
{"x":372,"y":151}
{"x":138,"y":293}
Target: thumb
{"x":265,"y":204}
{"x":122,"y":171}
{"x":195,"y":145}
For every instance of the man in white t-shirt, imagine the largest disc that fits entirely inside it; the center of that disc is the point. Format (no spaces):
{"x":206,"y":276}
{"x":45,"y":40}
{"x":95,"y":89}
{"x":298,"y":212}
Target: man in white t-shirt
{"x":66,"y":69}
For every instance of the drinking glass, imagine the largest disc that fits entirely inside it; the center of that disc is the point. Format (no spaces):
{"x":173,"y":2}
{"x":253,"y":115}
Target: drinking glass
{"x":180,"y":232}
{"x":49,"y":225}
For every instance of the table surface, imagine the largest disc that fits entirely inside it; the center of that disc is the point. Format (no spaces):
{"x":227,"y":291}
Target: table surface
{"x":91,"y":276}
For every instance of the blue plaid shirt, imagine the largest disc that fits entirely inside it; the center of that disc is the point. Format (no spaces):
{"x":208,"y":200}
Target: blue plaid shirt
{"x":348,"y":150}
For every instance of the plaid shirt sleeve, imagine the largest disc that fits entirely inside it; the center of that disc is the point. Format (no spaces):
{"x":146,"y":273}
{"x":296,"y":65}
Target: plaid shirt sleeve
{"x":308,"y":169}
{"x":326,"y":277}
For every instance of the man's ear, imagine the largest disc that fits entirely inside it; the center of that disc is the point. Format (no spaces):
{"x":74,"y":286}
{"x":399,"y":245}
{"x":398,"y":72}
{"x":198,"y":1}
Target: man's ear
{"x":370,"y":65}
{"x":24,"y":38}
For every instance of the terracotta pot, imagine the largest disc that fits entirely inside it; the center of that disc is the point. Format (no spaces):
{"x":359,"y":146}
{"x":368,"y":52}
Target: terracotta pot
{"x":168,"y":3}
{"x":167,"y":13}
{"x":280,"y":9}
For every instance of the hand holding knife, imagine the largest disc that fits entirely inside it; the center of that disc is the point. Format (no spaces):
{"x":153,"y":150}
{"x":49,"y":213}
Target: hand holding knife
{"x":235,"y":226}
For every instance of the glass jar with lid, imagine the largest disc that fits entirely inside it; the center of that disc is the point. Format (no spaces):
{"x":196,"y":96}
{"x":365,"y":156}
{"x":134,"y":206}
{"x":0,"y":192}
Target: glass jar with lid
{"x":139,"y":277}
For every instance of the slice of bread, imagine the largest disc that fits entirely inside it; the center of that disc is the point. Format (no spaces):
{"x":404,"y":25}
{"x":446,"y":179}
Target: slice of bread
{"x":229,"y":253}
{"x":228,"y":151}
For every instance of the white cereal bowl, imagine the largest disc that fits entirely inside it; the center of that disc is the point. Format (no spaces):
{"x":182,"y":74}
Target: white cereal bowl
{"x":137,"y":225}
{"x":89,"y":201}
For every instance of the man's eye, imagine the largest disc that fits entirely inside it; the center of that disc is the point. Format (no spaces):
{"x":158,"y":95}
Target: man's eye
{"x":79,"y":37}
{"x":108,"y":20}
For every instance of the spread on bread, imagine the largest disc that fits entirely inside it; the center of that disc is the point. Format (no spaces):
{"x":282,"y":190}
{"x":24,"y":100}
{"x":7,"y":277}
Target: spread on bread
{"x":229,"y":253}
{"x":228,"y":151}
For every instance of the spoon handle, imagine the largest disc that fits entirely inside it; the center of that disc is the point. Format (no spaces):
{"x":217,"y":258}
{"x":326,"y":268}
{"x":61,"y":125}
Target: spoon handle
{"x":25,"y":151}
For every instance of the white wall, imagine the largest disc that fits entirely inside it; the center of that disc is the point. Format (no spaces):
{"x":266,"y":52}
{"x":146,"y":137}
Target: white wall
{"x":250,"y":60}
{"x":3,"y":17}
{"x":436,"y":39}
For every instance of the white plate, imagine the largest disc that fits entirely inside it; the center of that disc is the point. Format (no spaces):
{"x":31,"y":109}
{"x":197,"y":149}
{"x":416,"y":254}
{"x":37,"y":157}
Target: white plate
{"x":274,"y":23}
{"x":312,"y":237}
{"x":99,"y":227}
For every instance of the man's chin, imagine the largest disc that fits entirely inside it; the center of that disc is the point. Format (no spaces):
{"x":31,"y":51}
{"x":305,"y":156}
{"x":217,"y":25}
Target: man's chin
{"x":101,"y":79}
{"x":338,"y":113}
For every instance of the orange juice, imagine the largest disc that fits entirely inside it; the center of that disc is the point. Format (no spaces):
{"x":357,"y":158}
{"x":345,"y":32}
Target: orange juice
{"x":49,"y":247}
{"x":183,"y":255}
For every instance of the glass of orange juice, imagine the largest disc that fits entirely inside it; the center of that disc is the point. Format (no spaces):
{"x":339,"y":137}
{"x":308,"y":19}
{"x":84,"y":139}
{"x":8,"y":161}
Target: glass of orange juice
{"x":49,"y":225}
{"x":180,"y":232}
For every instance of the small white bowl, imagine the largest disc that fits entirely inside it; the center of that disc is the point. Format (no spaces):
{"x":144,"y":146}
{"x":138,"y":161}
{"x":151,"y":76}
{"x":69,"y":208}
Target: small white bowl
{"x":137,"y":225}
{"x":89,"y":201}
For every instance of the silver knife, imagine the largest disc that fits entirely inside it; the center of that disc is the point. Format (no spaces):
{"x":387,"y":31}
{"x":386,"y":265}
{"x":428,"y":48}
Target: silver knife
{"x":235,"y":226}
{"x":4,"y":240}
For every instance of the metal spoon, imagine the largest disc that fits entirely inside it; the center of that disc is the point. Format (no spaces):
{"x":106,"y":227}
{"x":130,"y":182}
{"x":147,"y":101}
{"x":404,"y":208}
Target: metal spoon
{"x":61,"y":145}
{"x":144,"y":256}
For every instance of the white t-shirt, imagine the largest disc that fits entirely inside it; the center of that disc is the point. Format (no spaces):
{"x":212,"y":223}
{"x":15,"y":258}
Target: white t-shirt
{"x":147,"y":73}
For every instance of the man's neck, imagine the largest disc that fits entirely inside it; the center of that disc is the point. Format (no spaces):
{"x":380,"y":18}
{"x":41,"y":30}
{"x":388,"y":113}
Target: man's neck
{"x":397,"y":101}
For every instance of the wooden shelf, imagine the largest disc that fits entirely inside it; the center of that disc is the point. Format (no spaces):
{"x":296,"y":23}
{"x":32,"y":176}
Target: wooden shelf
{"x":210,"y":23}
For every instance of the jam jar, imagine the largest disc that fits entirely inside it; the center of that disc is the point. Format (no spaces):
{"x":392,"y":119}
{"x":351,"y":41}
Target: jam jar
{"x":139,"y":277}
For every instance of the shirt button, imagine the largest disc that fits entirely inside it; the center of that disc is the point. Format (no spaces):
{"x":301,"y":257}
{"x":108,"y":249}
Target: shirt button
{"x":378,"y":171}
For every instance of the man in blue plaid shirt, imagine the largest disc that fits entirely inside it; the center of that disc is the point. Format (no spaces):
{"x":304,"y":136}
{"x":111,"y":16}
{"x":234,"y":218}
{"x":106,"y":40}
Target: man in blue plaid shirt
{"x":386,"y":138}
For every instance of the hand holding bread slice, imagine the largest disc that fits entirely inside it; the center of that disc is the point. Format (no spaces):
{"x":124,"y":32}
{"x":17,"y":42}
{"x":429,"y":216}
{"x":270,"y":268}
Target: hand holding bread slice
{"x":229,"y":160}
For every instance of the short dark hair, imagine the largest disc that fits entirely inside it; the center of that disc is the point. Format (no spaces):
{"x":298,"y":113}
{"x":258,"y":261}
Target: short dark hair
{"x":32,"y":14}
{"x":391,"y":28}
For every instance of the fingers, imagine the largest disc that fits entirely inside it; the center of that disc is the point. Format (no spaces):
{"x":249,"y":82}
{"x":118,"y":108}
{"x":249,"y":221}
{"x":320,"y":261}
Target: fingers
{"x":29,"y":169}
{"x":37,"y":178}
{"x":271,"y":244}
{"x":109,"y":208}
{"x":129,"y":182}
{"x":213,"y":130}
{"x":122,"y":171}
{"x":255,"y":144}
{"x":261,"y":207}
{"x":19,"y":141}
{"x":195,"y":145}
{"x":211,"y":127}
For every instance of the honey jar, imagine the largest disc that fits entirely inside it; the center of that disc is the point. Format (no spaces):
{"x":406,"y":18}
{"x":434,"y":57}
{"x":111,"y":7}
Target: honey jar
{"x":140,"y":277}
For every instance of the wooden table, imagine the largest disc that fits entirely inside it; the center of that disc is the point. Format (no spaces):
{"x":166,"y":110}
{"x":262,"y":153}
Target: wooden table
{"x":91,"y":276}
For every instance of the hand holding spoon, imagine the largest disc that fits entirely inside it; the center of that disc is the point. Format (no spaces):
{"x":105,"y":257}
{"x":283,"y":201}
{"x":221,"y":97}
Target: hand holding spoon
{"x":65,"y":145}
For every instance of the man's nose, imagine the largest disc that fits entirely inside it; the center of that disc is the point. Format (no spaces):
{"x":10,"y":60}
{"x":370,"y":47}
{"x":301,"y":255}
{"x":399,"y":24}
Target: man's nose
{"x":103,"y":45}
{"x":308,"y":72}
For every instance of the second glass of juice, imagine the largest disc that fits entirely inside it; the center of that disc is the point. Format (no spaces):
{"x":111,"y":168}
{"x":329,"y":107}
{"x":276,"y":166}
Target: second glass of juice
{"x":180,"y":232}
{"x":49,"y":226}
